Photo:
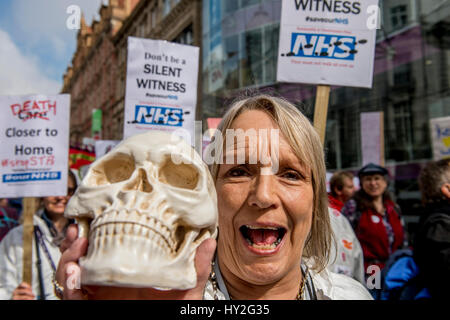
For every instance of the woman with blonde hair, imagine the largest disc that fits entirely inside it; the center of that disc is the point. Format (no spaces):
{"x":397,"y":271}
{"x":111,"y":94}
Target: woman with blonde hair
{"x":274,"y":229}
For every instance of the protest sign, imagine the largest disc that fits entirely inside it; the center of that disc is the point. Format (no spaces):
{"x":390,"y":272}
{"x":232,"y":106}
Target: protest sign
{"x":440,"y":135}
{"x":34,"y":156}
{"x":161,"y":89}
{"x":327,"y":42}
{"x":372,"y":138}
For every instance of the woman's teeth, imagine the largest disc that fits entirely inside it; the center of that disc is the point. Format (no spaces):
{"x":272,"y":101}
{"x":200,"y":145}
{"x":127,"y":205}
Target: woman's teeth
{"x":262,"y":238}
{"x":264,"y":246}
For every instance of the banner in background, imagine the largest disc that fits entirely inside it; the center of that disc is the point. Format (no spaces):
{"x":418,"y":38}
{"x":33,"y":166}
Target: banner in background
{"x":327,"y":42}
{"x":79,"y":158}
{"x":440,"y":135}
{"x":161,"y":89}
{"x":96,"y":127}
{"x":372,"y":138}
{"x":34,"y":131}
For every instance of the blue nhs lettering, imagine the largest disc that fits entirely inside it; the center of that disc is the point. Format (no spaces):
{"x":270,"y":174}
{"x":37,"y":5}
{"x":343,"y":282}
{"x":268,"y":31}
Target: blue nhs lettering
{"x":323,"y":46}
{"x":158,"y":116}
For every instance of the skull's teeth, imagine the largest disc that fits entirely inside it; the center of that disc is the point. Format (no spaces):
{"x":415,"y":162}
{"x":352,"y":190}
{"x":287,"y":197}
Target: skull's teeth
{"x":106,"y":233}
{"x":119,"y":228}
{"x":110,"y":229}
{"x":127,"y":228}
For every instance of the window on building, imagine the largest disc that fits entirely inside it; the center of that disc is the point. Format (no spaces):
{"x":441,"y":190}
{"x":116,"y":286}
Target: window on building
{"x":148,"y":23}
{"x":231,"y":63}
{"x":166,"y":7}
{"x":399,"y":16}
{"x":231,"y":6}
{"x":186,"y":36}
{"x":253,"y":70}
{"x":246,"y":3}
{"x":154,"y":14}
{"x":141,"y":27}
{"x":399,"y":133}
{"x":402,"y":75}
{"x":260,"y":48}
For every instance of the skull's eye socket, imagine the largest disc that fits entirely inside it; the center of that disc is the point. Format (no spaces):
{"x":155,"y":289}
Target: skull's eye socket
{"x":118,"y":168}
{"x":182,"y":175}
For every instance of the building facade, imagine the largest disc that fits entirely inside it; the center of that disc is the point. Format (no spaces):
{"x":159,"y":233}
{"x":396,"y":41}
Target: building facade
{"x":91,"y":79}
{"x":97,"y":77}
{"x":411,"y":80}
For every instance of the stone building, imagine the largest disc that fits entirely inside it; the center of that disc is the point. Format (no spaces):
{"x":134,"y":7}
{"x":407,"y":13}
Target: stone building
{"x":91,"y":78}
{"x":96,"y":79}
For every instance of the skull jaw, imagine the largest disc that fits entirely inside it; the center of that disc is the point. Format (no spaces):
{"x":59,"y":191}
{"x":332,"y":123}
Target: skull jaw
{"x":139,"y":262}
{"x":151,"y":277}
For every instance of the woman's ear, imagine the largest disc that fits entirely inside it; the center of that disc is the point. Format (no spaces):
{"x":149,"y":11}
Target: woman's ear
{"x":445,"y":189}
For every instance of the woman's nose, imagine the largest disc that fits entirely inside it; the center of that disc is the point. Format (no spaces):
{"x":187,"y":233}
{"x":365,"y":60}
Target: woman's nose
{"x":262,"y":193}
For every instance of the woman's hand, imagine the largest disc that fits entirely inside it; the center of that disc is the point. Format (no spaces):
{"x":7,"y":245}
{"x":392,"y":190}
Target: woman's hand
{"x":203,"y":258}
{"x":68,"y":271}
{"x":68,"y":268}
{"x":23,"y":292}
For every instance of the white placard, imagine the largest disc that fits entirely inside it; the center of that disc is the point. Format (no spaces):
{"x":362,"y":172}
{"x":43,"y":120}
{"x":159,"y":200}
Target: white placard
{"x":161,"y":89}
{"x":34,"y":155}
{"x":102,"y":147}
{"x":327,"y":42}
{"x":371,"y":137}
{"x":440,"y":134}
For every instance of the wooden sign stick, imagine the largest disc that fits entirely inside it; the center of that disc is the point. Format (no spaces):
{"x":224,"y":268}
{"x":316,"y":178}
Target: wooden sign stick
{"x":29,"y":208}
{"x":321,"y":110}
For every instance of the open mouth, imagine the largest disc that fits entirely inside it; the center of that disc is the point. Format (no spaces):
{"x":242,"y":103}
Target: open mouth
{"x":263,"y":238}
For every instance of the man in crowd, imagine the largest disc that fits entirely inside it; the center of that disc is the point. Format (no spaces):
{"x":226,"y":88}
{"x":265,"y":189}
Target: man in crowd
{"x":341,"y":189}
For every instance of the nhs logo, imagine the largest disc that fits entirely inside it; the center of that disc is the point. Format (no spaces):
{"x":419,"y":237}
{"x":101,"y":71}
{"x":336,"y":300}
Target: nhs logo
{"x":166,"y":116}
{"x":323,"y":46}
{"x":31,"y":176}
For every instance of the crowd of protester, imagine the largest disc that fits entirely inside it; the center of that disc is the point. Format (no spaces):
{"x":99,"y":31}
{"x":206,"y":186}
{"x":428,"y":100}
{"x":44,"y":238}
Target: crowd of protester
{"x":371,"y":243}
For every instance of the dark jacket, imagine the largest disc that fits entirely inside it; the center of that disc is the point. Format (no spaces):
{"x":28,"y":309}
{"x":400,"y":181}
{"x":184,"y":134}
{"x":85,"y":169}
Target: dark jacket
{"x":432,"y":249}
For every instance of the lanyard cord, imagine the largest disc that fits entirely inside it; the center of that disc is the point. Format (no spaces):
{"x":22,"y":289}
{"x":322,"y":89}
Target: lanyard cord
{"x":42,"y":243}
{"x":39,"y":267}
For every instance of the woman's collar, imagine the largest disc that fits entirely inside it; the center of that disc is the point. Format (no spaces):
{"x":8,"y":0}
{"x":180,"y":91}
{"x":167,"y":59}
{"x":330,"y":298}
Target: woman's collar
{"x":308,"y":295}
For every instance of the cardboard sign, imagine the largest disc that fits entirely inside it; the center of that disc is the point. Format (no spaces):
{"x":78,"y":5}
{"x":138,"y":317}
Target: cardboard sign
{"x":372,"y":138}
{"x":327,"y":42}
{"x":161,"y":90}
{"x":34,"y":156}
{"x":440,"y":134}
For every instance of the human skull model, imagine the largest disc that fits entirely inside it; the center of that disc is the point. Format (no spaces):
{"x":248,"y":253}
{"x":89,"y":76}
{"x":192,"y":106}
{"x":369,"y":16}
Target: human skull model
{"x":145,"y":207}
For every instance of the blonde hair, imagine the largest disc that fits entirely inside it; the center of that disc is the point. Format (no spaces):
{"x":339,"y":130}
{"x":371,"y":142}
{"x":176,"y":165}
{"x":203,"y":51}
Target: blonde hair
{"x":305,"y":142}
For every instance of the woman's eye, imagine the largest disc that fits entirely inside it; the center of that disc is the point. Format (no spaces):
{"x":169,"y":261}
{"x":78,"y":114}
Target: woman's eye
{"x":237,"y":172}
{"x":292,"y":175}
